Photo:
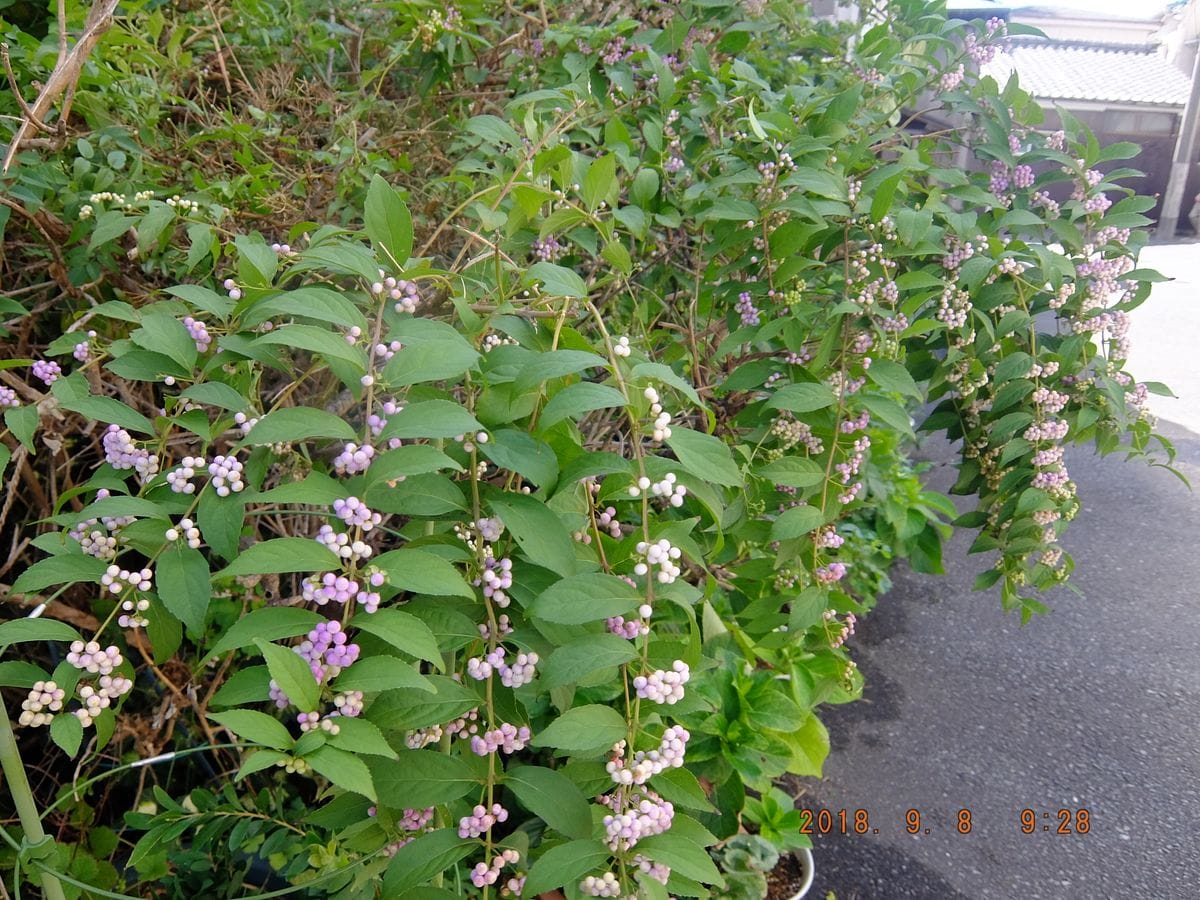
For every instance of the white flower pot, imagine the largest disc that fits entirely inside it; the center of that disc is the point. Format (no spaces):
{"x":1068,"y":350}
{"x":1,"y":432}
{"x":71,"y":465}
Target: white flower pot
{"x":805,"y":858}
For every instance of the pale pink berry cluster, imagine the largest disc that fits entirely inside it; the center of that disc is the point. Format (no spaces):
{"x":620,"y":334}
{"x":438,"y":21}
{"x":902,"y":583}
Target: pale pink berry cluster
{"x":607,"y":519}
{"x":846,"y":628}
{"x":354,"y":512}
{"x":122,"y":453}
{"x":1049,"y":430}
{"x":827,"y":538}
{"x":44,"y":700}
{"x":507,"y":739}
{"x":645,"y":764}
{"x":636,"y":814}
{"x":631,"y":628}
{"x":490,"y":530}
{"x":180,"y":477}
{"x":503,"y":628}
{"x":353,"y":459}
{"x":199,"y":333}
{"x":405,"y":293}
{"x":483,"y":874}
{"x":235,"y":293}
{"x":521,"y":672}
{"x":226,"y":474}
{"x":91,"y":657}
{"x":790,"y":433}
{"x":188,"y":531}
{"x":327,"y":650}
{"x":853,"y":463}
{"x":660,"y":872}
{"x":481,"y":820}
{"x":661,"y":554}
{"x":663,"y":685}
{"x":495,"y":579}
{"x":117,"y":579}
{"x":47,"y":370}
{"x":96,"y":699}
{"x":831,"y":573}
{"x":244,"y":422}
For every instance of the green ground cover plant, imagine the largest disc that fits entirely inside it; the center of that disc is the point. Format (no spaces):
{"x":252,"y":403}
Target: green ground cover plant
{"x":448,"y":449}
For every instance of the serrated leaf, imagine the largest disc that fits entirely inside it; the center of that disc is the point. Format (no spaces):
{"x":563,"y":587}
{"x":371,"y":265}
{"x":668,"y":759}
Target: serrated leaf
{"x":802,"y":398}
{"x":796,"y":522}
{"x":72,"y":393}
{"x":382,"y":673}
{"x":527,"y":456}
{"x":574,"y":661}
{"x":360,"y":736}
{"x":891,"y":376}
{"x":163,"y":333}
{"x":430,"y":419}
{"x":417,"y":862}
{"x":553,"y":797}
{"x":423,"y":573}
{"x":290,"y":554}
{"x":269,"y":623}
{"x":421,"y":778}
{"x":65,"y":568}
{"x":251,"y":725}
{"x":316,"y":340}
{"x":67,"y":732}
{"x":389,"y":225}
{"x":585,"y":598}
{"x":576,"y":399}
{"x":344,"y":769}
{"x":182,"y":580}
{"x":705,"y":456}
{"x":18,"y":631}
{"x":292,"y":674}
{"x":403,"y":710}
{"x":538,"y":531}
{"x":793,"y":471}
{"x":216,"y":393}
{"x":583,"y":730}
{"x":432,"y":351}
{"x":565,"y":864}
{"x":557,"y":281}
{"x":403,"y":631}
{"x":298,"y":423}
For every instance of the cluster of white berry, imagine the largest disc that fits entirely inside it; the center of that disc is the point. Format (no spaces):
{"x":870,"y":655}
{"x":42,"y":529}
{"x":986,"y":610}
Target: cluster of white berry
{"x":117,"y":579}
{"x":662,"y":418}
{"x":604,"y":886}
{"x":668,"y":489}
{"x":180,"y":478}
{"x":341,"y":544}
{"x":244,"y":422}
{"x":660,"y":554}
{"x":645,"y":764}
{"x":188,"y":530}
{"x":235,"y":292}
{"x":492,"y":340}
{"x":96,"y":700}
{"x":621,"y":347}
{"x":43,"y":702}
{"x":182,"y":204}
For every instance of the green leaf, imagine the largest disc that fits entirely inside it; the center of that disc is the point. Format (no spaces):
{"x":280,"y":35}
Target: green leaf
{"x":556,"y":280}
{"x":220,"y":520}
{"x":564,"y":865}
{"x":19,"y":631}
{"x":432,"y":351}
{"x":421,"y":572}
{"x":705,"y":456}
{"x":583,"y":730}
{"x":538,"y":531}
{"x":344,"y":769}
{"x":269,"y":623}
{"x":403,"y":631}
{"x":683,"y":855}
{"x":216,"y":393}
{"x":421,"y":778}
{"x":585,"y":598}
{"x":793,"y":471}
{"x":553,"y":797}
{"x":67,"y":732}
{"x":430,"y":419}
{"x":181,"y":578}
{"x":256,"y":727}
{"x":889,"y":412}
{"x":316,"y":489}
{"x":403,"y":710}
{"x":527,"y":456}
{"x":23,"y":421}
{"x":682,"y":788}
{"x":357,"y":735}
{"x":411,"y":459}
{"x":316,"y":340}
{"x":290,"y":554}
{"x":321,"y":304}
{"x":247,"y":685}
{"x":382,"y":673}
{"x":389,"y":225}
{"x":802,"y":398}
{"x":574,"y":661}
{"x":418,"y":495}
{"x":72,"y":393}
{"x":797,"y":522}
{"x":66,"y":568}
{"x":165,"y":334}
{"x":891,"y":376}
{"x":540,"y":367}
{"x":292,"y":674}
{"x":578,"y":398}
{"x":429,"y":855}
{"x":600,"y":181}
{"x":18,"y":673}
{"x":659,"y":372}
{"x":299,"y":423}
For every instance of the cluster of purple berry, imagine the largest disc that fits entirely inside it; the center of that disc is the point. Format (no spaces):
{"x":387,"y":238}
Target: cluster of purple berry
{"x":508,"y":739}
{"x":663,"y":685}
{"x":481,"y":820}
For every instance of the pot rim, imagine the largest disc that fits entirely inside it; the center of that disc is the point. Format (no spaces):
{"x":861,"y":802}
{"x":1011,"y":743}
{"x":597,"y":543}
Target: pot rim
{"x":809,"y":871}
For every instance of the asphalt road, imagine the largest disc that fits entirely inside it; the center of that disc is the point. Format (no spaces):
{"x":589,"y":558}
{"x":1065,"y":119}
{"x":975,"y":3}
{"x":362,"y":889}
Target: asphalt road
{"x":1094,"y":706}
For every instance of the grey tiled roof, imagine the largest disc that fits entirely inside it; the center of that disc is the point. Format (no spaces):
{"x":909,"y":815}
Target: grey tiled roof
{"x":1086,"y":70}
